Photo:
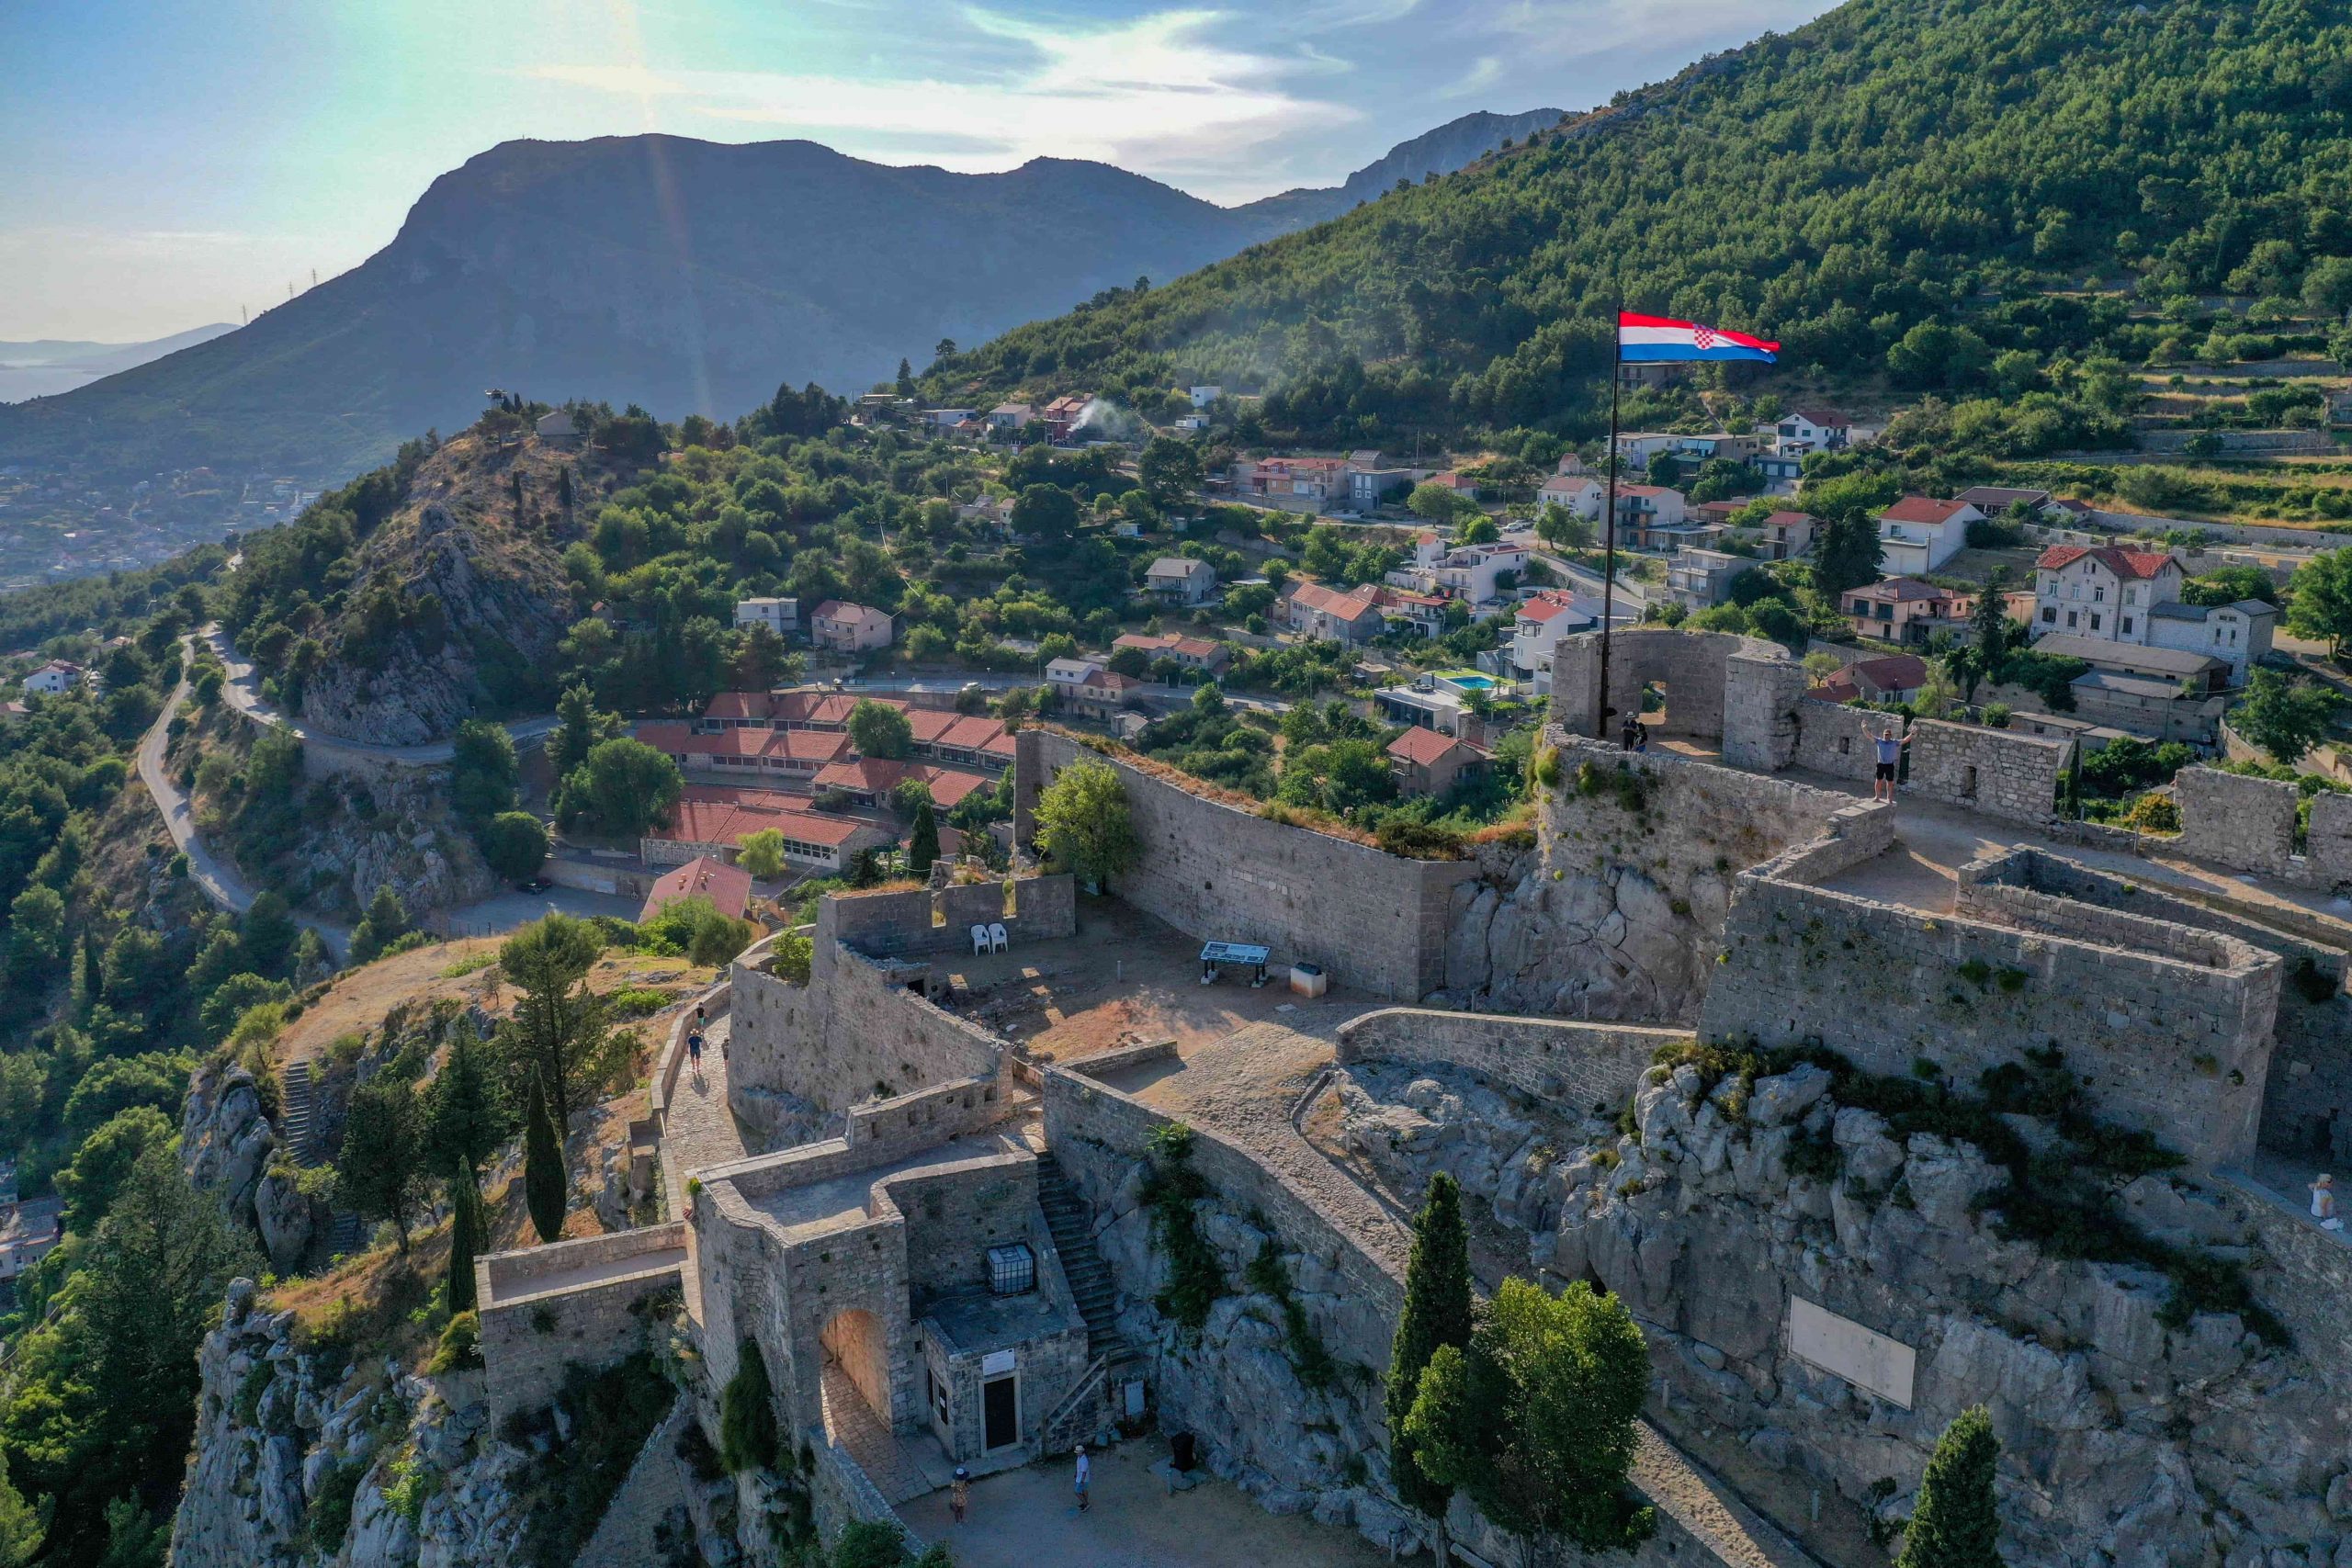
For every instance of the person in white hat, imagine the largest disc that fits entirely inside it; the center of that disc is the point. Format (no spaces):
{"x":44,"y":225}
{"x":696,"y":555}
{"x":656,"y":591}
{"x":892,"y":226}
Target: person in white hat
{"x":2324,"y":1203}
{"x":960,"y":1493}
{"x":1084,"y":1469}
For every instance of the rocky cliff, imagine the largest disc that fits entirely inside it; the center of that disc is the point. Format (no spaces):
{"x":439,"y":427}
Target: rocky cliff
{"x":2132,"y":1433}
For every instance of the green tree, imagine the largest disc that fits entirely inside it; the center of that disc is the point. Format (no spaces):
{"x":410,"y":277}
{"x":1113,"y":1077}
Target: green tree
{"x":269,"y":933}
{"x":2285,"y":715}
{"x":2327,"y":287}
{"x":1563,"y":529}
{"x":762,"y":854}
{"x":1535,"y":1419}
{"x":922,"y":842}
{"x":515,"y":845}
{"x":36,"y":940}
{"x":1169,"y":471}
{"x":1847,"y":555}
{"x":557,"y":1028}
{"x":466,"y":1232}
{"x":484,"y":777}
{"x":1083,"y":822}
{"x":1437,"y":502}
{"x":21,"y":1525}
{"x":906,"y":383}
{"x":385,"y":923}
{"x":381,"y":1167}
{"x":233,"y":998}
{"x":1048,"y":513}
{"x":1955,"y":1523}
{"x":2320,"y":601}
{"x":580,"y":727}
{"x":102,"y":1165}
{"x":547,"y":1183}
{"x":1438,"y":1307}
{"x":1992,"y":633}
{"x":879,"y":729}
{"x":624,"y":788}
{"x":465,"y":1114}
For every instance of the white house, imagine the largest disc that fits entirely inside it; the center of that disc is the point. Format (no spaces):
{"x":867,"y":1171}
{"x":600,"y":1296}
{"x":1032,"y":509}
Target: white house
{"x":1203,"y":396}
{"x":1067,"y":675}
{"x":781,"y":616}
{"x":555,"y":426}
{"x":1541,"y":622}
{"x":1472,"y":573}
{"x":1918,"y":534}
{"x":1638,"y":447}
{"x":1578,"y":494}
{"x":2236,"y":634}
{"x":53,"y":678}
{"x":2105,"y":592}
{"x":1811,"y":430}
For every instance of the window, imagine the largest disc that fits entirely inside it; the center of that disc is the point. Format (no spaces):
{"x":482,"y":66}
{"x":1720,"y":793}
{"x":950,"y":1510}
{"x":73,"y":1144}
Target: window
{"x":2127,"y":626}
{"x":2048,"y":614}
{"x":2130,"y":596}
{"x":2070,"y":620}
{"x":2094,"y":620}
{"x":2098,"y":595}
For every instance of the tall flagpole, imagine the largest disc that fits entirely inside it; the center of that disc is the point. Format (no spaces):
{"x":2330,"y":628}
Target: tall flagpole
{"x":1608,"y":512}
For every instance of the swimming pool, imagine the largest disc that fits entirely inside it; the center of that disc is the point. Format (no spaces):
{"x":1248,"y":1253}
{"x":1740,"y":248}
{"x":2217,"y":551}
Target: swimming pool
{"x":1469,"y":679}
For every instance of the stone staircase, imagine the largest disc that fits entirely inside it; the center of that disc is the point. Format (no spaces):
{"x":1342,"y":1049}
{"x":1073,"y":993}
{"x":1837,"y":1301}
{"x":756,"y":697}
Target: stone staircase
{"x":1073,"y":1226}
{"x":651,"y":1495}
{"x":298,"y":1131}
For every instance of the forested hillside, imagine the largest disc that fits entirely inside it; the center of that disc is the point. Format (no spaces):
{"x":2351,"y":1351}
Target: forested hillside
{"x":1896,"y":162}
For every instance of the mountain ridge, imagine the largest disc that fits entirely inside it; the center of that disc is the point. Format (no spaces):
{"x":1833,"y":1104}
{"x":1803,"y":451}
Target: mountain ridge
{"x":686,"y":276}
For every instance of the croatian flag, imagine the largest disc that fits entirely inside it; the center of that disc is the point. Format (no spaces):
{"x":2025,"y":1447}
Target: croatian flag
{"x":1655,"y":337}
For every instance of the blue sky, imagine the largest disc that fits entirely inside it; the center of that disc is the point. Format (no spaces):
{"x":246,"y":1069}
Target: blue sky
{"x":168,"y":163}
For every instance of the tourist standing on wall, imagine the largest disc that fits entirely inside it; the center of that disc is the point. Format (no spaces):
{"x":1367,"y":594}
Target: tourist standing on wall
{"x":1890,"y":760}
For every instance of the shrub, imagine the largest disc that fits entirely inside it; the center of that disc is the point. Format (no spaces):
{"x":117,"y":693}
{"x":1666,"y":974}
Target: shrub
{"x":747,"y":1424}
{"x":460,"y":1347}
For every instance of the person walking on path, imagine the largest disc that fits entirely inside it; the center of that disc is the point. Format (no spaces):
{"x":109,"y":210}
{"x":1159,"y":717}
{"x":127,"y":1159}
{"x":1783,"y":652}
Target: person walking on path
{"x":1889,"y":748}
{"x":693,"y":1052}
{"x":960,"y":1493}
{"x":2324,"y":1203}
{"x":1084,"y":1471}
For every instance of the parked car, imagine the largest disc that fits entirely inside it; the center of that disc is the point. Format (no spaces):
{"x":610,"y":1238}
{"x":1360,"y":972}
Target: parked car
{"x":535,"y":884}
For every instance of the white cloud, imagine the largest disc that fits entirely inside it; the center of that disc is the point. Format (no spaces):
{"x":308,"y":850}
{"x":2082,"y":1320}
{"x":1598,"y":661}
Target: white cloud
{"x":1157,"y":95}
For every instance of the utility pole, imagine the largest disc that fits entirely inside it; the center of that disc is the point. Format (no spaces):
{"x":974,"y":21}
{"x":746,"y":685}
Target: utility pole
{"x":1601,"y":709}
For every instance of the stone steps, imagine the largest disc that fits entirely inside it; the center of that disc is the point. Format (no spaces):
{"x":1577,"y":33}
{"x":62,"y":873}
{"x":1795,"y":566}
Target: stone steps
{"x":1090,"y":1282}
{"x":652,"y":1494}
{"x":297,"y":1103}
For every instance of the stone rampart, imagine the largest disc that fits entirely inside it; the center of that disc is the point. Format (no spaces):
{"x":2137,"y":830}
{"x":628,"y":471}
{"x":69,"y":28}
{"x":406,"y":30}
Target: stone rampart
{"x":1740,"y":691}
{"x":1997,"y":771}
{"x":1835,"y":739}
{"x":2236,"y":820}
{"x":2179,"y":1045}
{"x":2308,"y":1280}
{"x":1587,"y":1067}
{"x":571,"y":1304}
{"x":860,"y":1029}
{"x":928,"y":1115}
{"x":922,"y":921}
{"x":1375,"y":923}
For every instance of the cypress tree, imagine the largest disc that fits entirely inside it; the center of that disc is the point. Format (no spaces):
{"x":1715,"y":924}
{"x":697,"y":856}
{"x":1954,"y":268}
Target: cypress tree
{"x":1437,"y":1312}
{"x":465,"y":1238}
{"x":747,"y":1430}
{"x":1955,"y":1523}
{"x":544,"y":1178}
{"x":922,"y":845}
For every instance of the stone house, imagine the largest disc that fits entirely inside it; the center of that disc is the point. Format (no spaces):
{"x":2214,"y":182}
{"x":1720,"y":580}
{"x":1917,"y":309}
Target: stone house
{"x":1180,"y":580}
{"x":849,"y":628}
{"x":2105,"y":592}
{"x":1701,"y":578}
{"x":1191,"y":653}
{"x":1426,"y":763}
{"x":1315,"y":611}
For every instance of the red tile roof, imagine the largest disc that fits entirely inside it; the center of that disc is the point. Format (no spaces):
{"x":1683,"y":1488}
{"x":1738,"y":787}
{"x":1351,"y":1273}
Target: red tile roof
{"x":1425,"y":748}
{"x":971,"y":732}
{"x":1540,"y":610}
{"x":2140,"y":564}
{"x":1895,"y":672}
{"x":727,"y":888}
{"x":1904,"y":590}
{"x":1923,"y":509}
{"x":1331,"y":602}
{"x":741,"y":705}
{"x":879,"y":775}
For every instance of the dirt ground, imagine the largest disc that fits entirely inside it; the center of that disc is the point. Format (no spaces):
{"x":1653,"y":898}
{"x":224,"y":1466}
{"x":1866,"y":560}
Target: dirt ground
{"x":1028,"y":1518}
{"x":1124,"y":979}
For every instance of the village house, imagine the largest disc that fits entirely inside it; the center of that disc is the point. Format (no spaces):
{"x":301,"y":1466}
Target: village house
{"x":1180,"y":580}
{"x":1918,"y":533}
{"x":1449,"y":480}
{"x":1202,"y":397}
{"x":1426,"y":763}
{"x":1473,"y":573}
{"x":868,"y":781}
{"x":2236,"y":634}
{"x":1544,"y":617}
{"x":729,"y":889}
{"x":1408,"y":610}
{"x":1294,"y":484}
{"x":1904,"y":610}
{"x":1314,"y":611}
{"x":1191,"y":653}
{"x":1063,"y":414}
{"x":1064,"y":674}
{"x":849,"y":628}
{"x":55,"y":678}
{"x":556,"y":429}
{"x":1700,"y":579}
{"x":713,"y":821}
{"x":2104,"y":592}
{"x":1892,"y":678}
{"x":1636,"y":448}
{"x":1811,"y":430}
{"x":1101,"y":693}
{"x":1371,"y":483}
{"x":781,"y":616}
{"x":1006,"y":418}
{"x":1779,"y":536}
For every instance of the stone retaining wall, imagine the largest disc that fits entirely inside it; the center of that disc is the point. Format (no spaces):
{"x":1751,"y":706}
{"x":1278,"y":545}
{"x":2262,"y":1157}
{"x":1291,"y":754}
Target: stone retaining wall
{"x":534,"y":1330}
{"x":1997,"y":771}
{"x":1587,"y":1067}
{"x":923,"y":921}
{"x":1835,"y":739}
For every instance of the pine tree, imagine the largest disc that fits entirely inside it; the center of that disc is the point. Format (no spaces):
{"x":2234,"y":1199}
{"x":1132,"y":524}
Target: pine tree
{"x":467,"y":1117}
{"x":906,"y":379}
{"x":465,"y":1238}
{"x":922,"y":845}
{"x":544,"y":1178}
{"x":1955,"y":1523}
{"x":747,"y":1430}
{"x":1437,"y":1312}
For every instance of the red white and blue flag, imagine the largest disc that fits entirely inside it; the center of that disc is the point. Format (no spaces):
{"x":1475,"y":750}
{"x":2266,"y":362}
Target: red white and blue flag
{"x":1658,"y":338}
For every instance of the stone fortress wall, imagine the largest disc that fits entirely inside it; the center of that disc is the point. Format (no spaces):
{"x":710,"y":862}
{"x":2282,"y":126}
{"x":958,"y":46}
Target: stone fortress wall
{"x":1588,"y":1065}
{"x":570,"y":1304}
{"x":1373,"y":922}
{"x":1738,"y":691}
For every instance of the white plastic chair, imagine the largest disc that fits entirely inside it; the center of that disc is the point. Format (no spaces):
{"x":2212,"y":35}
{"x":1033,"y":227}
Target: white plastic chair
{"x":980,"y":939}
{"x":998,"y":939}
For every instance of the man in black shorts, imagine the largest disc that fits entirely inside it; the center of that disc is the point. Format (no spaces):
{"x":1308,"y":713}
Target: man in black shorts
{"x":1889,"y":758}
